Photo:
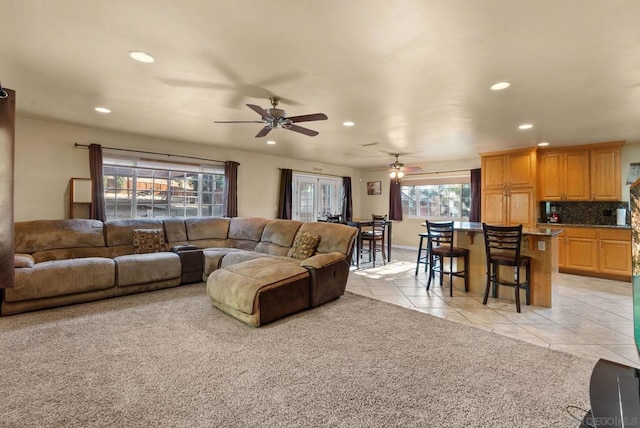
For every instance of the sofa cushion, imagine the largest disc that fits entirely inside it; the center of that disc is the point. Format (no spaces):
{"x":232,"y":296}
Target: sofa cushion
{"x":335,"y":237}
{"x":61,"y":277}
{"x":137,"y":269}
{"x":237,"y":286}
{"x":247,"y":228}
{"x":277,"y":237}
{"x":23,"y":260}
{"x":120,"y":232}
{"x":148,"y":241}
{"x":206,"y":228}
{"x":41,"y":235}
{"x":175,"y":231}
{"x":304,"y":245}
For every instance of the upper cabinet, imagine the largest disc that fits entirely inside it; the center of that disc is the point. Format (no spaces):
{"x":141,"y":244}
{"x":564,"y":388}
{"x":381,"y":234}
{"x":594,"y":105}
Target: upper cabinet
{"x":580,"y":173}
{"x":508,"y":187}
{"x":564,"y":176}
{"x":605,"y":173}
{"x":513,"y":168}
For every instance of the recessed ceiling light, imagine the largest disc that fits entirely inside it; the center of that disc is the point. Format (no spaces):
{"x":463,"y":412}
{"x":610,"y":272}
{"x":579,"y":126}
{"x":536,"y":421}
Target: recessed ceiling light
{"x":500,"y":85}
{"x":543,"y":143}
{"x":102,"y":110}
{"x":348,"y":123}
{"x":271,"y":142}
{"x":525,"y":126}
{"x":141,"y":56}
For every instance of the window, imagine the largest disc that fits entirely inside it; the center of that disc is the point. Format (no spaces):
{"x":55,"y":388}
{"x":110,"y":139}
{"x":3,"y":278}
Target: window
{"x":316,"y":197}
{"x":437,"y":201}
{"x":136,"y":188}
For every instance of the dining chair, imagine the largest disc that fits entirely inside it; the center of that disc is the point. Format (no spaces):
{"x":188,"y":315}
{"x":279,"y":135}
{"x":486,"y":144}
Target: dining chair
{"x":334,"y":218}
{"x":502,"y":247}
{"x":374,"y":236}
{"x":440,"y":246}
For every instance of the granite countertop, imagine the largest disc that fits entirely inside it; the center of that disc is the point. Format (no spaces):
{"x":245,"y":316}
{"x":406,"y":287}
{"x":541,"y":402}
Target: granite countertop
{"x":466,"y":226}
{"x":606,"y":226}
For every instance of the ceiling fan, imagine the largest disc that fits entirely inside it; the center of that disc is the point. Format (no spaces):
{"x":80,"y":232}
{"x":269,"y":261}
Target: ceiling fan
{"x":277,"y":118}
{"x":397,"y":169}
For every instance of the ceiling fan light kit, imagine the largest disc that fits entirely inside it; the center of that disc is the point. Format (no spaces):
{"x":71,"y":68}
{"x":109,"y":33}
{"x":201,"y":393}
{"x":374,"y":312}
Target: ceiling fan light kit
{"x":396,"y":168}
{"x":277,"y":118}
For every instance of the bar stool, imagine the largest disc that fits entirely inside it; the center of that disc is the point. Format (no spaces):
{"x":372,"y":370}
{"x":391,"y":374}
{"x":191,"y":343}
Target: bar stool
{"x":502,"y":247}
{"x":440,"y":236}
{"x":423,"y":259}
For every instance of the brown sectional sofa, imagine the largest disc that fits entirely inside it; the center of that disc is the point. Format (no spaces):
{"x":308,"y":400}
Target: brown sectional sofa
{"x":245,"y":263}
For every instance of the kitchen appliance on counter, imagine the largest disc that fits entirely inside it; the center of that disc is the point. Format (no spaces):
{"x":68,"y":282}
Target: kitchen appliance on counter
{"x":551,"y":211}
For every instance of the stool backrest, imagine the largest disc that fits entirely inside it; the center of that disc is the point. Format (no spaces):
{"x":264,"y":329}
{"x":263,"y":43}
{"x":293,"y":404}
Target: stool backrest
{"x":379,"y":217}
{"x":440,"y":234}
{"x":502,"y":240}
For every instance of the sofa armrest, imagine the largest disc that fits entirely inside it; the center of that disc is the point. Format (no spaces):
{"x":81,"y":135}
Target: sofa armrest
{"x":320,"y":260}
{"x":23,"y":261}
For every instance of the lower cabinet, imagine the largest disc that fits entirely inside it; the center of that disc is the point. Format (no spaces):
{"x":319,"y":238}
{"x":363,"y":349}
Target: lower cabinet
{"x":601,"y":252}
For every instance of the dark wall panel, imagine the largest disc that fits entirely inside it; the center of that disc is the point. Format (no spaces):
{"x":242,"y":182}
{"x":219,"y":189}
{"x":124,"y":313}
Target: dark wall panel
{"x":7,"y":138}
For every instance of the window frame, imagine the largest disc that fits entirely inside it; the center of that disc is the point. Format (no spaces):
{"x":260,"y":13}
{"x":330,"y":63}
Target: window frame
{"x":421,"y":186}
{"x":168,"y":186}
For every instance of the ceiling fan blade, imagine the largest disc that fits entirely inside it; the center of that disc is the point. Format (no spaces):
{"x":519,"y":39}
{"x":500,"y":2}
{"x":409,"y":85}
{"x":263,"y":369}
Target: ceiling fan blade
{"x":264,"y":131}
{"x":238,"y":121}
{"x":308,"y":117}
{"x":262,"y":112}
{"x":305,"y":131}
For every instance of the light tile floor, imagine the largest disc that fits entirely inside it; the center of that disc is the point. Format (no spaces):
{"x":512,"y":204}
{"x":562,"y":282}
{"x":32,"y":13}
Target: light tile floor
{"x":591,"y":317}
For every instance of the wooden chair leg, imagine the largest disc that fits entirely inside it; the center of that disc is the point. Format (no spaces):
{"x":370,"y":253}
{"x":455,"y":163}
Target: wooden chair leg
{"x":486,"y":289}
{"x":450,"y":276}
{"x":466,"y":275}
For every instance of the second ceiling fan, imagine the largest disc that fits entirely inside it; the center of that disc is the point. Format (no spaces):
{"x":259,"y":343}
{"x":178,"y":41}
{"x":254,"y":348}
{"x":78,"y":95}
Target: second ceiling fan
{"x":277,"y":118}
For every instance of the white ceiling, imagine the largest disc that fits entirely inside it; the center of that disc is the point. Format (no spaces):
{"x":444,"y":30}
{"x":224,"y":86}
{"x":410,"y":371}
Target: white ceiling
{"x":414,"y":75}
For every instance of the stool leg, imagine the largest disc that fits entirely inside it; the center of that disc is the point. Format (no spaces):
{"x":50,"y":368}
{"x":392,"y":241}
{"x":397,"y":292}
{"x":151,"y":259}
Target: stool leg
{"x":451,"y":276}
{"x":419,"y":256}
{"x":528,"y":289}
{"x":517,"y":288}
{"x":466,"y":274}
{"x":486,"y":289}
{"x":430,"y":273}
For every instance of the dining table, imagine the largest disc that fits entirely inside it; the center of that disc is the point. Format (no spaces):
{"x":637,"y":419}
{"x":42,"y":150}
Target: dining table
{"x":364,"y":223}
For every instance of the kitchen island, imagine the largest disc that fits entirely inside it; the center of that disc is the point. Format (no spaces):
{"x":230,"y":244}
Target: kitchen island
{"x":541,"y":244}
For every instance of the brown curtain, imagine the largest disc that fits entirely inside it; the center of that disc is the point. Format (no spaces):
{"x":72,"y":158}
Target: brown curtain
{"x":286,"y":194}
{"x":395,"y":200}
{"x":476,"y":197}
{"x":7,"y":144}
{"x":230,"y":202}
{"x":98,"y":210}
{"x":347,"y":200}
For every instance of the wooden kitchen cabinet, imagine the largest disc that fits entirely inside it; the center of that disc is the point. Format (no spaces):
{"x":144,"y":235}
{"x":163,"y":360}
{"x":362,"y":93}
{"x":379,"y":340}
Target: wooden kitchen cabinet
{"x":581,"y":249}
{"x":605,"y":173}
{"x":564,"y":176}
{"x":513,"y":169}
{"x":593,"y":251}
{"x":582,"y":173}
{"x":508,"y":187}
{"x":509,"y":207}
{"x":615,"y":252}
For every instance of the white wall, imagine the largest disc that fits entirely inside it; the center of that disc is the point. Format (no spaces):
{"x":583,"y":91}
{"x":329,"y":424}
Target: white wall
{"x":630,"y":153}
{"x":405,"y":232}
{"x":45,"y":160}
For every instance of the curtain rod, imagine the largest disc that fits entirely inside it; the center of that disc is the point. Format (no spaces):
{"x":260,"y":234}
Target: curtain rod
{"x":152,"y":153}
{"x":443,"y":172}
{"x":316,"y":173}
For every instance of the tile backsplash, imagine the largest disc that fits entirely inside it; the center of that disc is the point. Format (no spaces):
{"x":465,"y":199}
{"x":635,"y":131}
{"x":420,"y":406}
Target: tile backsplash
{"x":596,"y":213}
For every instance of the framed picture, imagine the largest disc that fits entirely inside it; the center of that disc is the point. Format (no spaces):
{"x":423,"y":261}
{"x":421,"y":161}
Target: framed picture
{"x":374,"y":188}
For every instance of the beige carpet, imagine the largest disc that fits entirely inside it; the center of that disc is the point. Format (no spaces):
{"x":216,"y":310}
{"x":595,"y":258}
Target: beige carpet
{"x":168,"y":358}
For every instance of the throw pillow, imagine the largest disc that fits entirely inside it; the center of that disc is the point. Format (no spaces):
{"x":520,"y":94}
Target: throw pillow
{"x":304,"y":245}
{"x":148,"y":241}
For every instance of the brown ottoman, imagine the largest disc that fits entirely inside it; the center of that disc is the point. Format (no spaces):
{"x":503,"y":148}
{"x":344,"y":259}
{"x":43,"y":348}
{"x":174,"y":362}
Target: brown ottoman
{"x":261,"y":290}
